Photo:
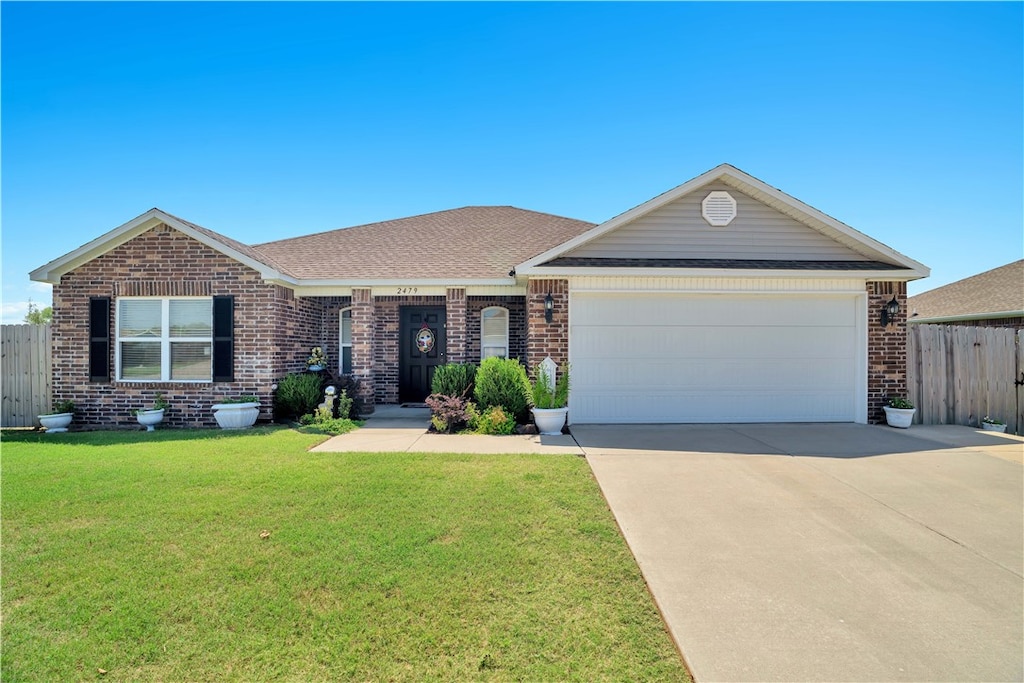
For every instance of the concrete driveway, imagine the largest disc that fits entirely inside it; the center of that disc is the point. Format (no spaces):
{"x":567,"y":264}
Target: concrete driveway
{"x":831,"y":552}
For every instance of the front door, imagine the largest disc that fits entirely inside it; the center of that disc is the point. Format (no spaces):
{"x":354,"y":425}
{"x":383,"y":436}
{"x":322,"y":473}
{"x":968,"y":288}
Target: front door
{"x":421,"y":348}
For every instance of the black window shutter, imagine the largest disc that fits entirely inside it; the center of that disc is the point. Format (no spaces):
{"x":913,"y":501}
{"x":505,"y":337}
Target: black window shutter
{"x":99,"y":339}
{"x":223,"y":339}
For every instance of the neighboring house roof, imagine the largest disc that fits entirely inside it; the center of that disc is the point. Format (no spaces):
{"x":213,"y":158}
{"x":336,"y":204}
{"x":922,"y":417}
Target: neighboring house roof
{"x":560,"y":260}
{"x":474,"y":242}
{"x":996,"y":293}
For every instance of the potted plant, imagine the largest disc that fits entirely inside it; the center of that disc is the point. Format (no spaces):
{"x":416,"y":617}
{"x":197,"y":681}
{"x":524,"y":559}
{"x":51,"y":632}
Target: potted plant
{"x":237,"y":413}
{"x":317,"y":361}
{"x":151,"y":417}
{"x":992,"y":424}
{"x":899,"y":412}
{"x":58,"y":419}
{"x":550,"y":399}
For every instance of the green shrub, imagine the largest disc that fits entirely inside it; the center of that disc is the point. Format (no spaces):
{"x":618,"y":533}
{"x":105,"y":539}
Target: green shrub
{"x":493,"y":421}
{"x":542,"y":394}
{"x":447,"y":413}
{"x":298,"y":394}
{"x":453,"y":379}
{"x":502,"y":382}
{"x":343,"y":405}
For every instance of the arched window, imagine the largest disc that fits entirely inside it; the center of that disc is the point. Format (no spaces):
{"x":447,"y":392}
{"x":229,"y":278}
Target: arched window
{"x":494,"y":332}
{"x":345,"y":342}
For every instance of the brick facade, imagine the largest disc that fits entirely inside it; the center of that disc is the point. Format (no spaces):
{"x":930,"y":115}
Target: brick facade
{"x":543,"y":338}
{"x":887,"y":348}
{"x":455,"y":325}
{"x":272,"y":329}
{"x":516,"y":306}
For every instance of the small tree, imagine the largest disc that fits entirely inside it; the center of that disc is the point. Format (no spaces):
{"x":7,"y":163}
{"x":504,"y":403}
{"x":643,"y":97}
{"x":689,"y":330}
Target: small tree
{"x":37,"y":316}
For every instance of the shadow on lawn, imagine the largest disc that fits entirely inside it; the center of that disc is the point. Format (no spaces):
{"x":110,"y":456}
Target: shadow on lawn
{"x":122,"y":437}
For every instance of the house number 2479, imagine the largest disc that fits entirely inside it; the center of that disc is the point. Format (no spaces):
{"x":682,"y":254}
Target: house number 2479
{"x":407,"y":290}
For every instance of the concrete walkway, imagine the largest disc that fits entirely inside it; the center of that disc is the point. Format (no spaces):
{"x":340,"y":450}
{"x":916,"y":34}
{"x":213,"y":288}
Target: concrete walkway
{"x":394,"y":429}
{"x":825,"y":552}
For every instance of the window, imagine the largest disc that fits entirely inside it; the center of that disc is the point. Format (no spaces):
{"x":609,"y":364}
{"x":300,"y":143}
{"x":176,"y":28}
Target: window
{"x":164,"y":340}
{"x":345,"y":361}
{"x":494,"y":332}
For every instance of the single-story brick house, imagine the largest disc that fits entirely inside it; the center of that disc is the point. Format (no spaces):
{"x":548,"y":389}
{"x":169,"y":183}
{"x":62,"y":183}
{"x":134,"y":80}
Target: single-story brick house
{"x":722,"y":300}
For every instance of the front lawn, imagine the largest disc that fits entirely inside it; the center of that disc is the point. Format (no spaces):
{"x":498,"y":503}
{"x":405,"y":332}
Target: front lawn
{"x":204,"y":555}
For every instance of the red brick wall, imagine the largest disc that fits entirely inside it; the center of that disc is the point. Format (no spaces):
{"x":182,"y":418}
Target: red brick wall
{"x":543,"y":338}
{"x":271,"y":328}
{"x":455,"y":325}
{"x":887,"y":348}
{"x":363,"y":342}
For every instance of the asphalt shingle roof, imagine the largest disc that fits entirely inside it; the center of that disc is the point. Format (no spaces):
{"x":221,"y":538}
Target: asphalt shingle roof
{"x":473,"y":242}
{"x":760,"y":264}
{"x":994,"y":291}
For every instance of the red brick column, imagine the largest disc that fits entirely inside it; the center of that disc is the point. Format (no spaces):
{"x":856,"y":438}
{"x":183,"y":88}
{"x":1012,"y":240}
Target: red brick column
{"x":545,"y":339}
{"x":455,"y":325}
{"x":887,"y":347}
{"x":362,"y":342}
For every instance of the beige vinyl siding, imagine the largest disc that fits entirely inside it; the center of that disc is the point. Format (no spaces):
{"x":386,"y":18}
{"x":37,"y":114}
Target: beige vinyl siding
{"x":677,"y":230}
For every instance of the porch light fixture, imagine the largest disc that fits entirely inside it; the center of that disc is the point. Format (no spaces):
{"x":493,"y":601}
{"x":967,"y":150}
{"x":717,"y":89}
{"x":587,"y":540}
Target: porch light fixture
{"x":549,"y":307}
{"x":890,"y":311}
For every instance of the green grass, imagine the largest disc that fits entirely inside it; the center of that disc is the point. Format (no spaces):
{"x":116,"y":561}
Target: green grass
{"x":140,"y":554}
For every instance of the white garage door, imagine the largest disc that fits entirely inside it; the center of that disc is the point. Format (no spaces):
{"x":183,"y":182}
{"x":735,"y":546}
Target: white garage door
{"x":714,"y":358}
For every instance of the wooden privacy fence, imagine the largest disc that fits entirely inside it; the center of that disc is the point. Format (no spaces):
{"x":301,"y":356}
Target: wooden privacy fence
{"x":25,"y":373}
{"x":958,"y":375}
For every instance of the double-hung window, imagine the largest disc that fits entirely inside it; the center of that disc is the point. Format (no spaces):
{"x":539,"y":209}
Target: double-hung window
{"x":494,"y":332}
{"x":165,"y":339}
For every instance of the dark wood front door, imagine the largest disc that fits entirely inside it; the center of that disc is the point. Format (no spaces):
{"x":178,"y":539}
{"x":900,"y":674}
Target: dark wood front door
{"x":421,"y":348}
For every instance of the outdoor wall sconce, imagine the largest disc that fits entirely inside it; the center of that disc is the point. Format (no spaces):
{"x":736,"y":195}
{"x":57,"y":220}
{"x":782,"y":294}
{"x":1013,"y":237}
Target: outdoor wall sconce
{"x":549,"y":307}
{"x":890,"y":311}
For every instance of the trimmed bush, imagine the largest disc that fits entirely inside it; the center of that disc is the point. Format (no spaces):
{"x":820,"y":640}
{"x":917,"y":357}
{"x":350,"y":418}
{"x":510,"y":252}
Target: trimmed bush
{"x":298,"y":394}
{"x":453,"y":379}
{"x":502,"y":382}
{"x":493,"y":421}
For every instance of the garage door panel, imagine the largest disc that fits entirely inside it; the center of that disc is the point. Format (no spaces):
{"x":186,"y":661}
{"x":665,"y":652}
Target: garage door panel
{"x":721,"y":310}
{"x":713,"y":358}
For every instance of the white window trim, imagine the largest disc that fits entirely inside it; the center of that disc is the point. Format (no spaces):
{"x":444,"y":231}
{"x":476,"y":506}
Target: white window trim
{"x":341,"y":339}
{"x":164,"y":340}
{"x":483,"y":311}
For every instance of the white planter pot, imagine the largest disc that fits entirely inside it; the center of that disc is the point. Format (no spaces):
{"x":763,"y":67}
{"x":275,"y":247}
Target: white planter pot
{"x":899,"y":417}
{"x":989,"y":427}
{"x":150,"y":418}
{"x":236,"y":415}
{"x":550,"y":420}
{"x":58,"y":422}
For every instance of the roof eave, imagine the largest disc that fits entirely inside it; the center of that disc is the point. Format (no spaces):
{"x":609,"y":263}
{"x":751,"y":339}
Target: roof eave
{"x":897,"y":275}
{"x":966,"y":317}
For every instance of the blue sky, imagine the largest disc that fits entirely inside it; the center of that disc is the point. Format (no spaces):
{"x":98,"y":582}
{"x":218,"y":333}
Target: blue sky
{"x":265,"y":120}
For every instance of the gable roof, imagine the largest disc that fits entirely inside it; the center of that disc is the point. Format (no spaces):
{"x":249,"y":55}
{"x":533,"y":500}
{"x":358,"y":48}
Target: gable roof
{"x":471,"y":243}
{"x":476,"y":244}
{"x":52,"y":271}
{"x":996,"y":293}
{"x":893,"y":264}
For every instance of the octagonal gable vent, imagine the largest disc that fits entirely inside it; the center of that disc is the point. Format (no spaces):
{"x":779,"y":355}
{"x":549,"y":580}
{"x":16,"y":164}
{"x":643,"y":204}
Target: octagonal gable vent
{"x":718,"y":208}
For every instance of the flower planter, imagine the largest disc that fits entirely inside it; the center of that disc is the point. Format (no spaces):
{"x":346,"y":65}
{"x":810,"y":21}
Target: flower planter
{"x":316,"y":368}
{"x":58,"y":422}
{"x":550,"y":420}
{"x":150,"y":418}
{"x":899,"y":417}
{"x":990,"y":427}
{"x":236,"y":415}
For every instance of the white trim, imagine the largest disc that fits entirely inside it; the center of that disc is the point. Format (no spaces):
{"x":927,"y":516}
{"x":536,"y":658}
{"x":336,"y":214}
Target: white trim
{"x":741,"y":181}
{"x":164,"y":340}
{"x":508,"y":315}
{"x":544,"y":272}
{"x":965,"y":317}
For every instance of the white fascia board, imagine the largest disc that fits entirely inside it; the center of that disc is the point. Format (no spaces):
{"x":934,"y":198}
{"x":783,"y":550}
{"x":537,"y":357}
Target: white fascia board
{"x":873,"y":275}
{"x":626,"y":217}
{"x":53,"y":270}
{"x":742,"y":178}
{"x":966,"y":317}
{"x":399,"y":282}
{"x":739,"y":179}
